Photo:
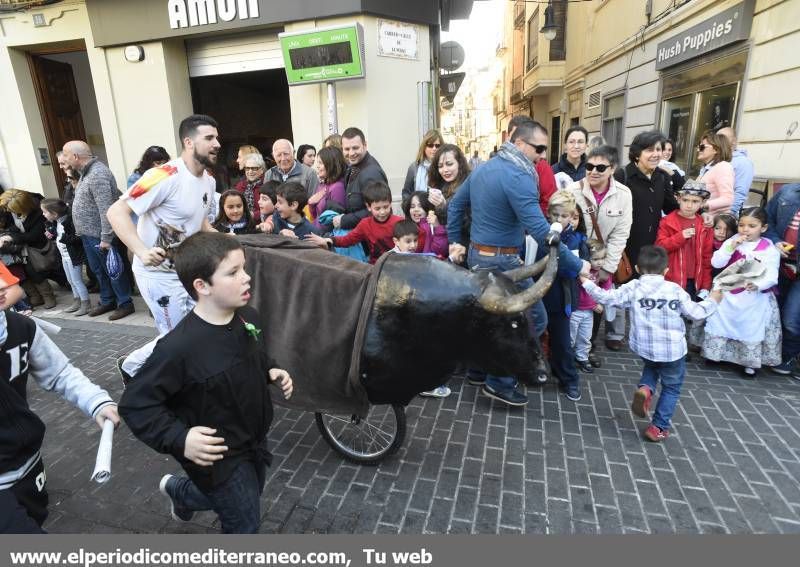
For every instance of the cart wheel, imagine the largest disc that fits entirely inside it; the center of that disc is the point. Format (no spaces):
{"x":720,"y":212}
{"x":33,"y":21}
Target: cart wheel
{"x":365,"y":441}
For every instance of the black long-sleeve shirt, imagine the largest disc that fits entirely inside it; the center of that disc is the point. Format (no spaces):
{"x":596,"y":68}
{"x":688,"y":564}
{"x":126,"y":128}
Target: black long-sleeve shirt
{"x":204,"y":375}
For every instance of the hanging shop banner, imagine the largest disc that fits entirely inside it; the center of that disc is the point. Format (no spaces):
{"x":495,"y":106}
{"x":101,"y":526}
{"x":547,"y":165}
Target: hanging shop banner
{"x":724,"y":28}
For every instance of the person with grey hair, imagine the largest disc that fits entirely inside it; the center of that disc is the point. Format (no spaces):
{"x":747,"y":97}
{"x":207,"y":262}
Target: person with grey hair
{"x":287,"y":168}
{"x":254,"y":173}
{"x":96,"y":192}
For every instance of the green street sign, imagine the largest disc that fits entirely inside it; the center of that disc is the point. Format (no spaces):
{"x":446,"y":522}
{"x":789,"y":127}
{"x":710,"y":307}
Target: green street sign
{"x":323,"y":55}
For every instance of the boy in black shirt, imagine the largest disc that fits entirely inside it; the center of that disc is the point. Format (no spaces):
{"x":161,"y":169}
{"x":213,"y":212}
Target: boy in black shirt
{"x":203,"y":394}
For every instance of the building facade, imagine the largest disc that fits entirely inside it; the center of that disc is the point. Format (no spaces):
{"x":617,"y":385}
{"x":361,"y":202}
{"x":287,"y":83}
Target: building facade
{"x":619,"y":67}
{"x":122,"y":75}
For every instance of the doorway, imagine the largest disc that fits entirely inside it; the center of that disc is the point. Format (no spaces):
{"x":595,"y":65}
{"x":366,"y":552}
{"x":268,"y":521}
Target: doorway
{"x":67,"y":103}
{"x":252,"y":108}
{"x":555,"y":139}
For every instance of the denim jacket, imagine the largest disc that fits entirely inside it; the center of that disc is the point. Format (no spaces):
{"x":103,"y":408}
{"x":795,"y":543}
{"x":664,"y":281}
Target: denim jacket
{"x":781,"y":209}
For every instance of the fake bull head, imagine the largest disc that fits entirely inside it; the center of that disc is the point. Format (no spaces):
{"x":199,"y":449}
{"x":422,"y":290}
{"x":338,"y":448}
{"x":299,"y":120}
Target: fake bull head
{"x":495,"y":298}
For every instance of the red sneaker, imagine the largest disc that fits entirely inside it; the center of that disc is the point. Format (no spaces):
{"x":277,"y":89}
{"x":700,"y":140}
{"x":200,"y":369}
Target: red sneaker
{"x":641,"y":402}
{"x":655,"y":434}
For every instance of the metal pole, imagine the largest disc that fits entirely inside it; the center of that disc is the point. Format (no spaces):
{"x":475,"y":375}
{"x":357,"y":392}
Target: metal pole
{"x":333,"y":120}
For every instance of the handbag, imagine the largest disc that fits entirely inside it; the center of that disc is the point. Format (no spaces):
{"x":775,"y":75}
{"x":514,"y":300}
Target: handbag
{"x":624,"y":271}
{"x":44,"y":259}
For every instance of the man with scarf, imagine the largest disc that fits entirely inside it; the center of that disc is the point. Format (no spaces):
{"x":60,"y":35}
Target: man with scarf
{"x":503,"y":195}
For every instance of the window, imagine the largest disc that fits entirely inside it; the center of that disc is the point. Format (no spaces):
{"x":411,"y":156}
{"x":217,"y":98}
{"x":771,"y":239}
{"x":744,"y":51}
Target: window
{"x":558,"y":46}
{"x":613,"y":114}
{"x":533,"y":40}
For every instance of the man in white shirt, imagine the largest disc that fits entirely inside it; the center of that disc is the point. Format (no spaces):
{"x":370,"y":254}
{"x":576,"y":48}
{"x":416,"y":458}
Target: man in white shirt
{"x":172,"y":202}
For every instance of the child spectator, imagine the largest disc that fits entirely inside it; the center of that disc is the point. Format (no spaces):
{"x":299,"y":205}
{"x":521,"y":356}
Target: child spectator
{"x":433,"y":231}
{"x":746,"y":330}
{"x":581,"y":322}
{"x":559,"y":299}
{"x":26,"y":351}
{"x":376,"y":230}
{"x":725,"y":226}
{"x":62,"y":230}
{"x":211,"y":409}
{"x":288,"y":219}
{"x":234,"y":215}
{"x":657,"y":333}
{"x":406,"y":237}
{"x":688,"y":241}
{"x":267,"y":197}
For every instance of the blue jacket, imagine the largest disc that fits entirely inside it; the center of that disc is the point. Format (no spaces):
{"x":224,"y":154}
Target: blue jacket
{"x":564,"y":166}
{"x":743,"y":178}
{"x":504,"y":200}
{"x":781,"y":209}
{"x":562,"y":297}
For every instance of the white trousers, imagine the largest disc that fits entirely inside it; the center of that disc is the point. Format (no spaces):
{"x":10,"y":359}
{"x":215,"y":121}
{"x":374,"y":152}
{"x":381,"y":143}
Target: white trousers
{"x":580,"y":332}
{"x":169,"y":303}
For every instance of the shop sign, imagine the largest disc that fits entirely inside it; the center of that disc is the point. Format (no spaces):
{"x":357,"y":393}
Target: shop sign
{"x":396,"y":39}
{"x":323,"y":55}
{"x":193,"y":13}
{"x":725,"y":28}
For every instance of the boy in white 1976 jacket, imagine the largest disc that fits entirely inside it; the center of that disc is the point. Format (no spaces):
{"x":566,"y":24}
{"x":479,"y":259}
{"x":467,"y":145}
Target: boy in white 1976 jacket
{"x":657,"y":333}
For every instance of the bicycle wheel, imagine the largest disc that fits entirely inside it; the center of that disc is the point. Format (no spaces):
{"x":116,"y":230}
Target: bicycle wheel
{"x":366,"y":441}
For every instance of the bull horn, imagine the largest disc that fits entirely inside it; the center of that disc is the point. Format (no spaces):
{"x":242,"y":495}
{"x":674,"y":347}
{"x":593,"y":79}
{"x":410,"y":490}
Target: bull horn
{"x":493,"y":301}
{"x":519,"y":274}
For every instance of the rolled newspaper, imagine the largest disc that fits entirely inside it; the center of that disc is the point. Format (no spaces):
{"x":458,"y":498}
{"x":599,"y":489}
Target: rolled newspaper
{"x":102,"y":467}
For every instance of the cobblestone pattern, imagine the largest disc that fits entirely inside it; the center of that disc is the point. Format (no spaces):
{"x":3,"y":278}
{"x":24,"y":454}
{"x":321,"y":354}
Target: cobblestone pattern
{"x":471,"y":465}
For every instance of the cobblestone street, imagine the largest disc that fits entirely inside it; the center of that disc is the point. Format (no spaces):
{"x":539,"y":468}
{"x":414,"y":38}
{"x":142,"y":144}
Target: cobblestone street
{"x":470,"y":465}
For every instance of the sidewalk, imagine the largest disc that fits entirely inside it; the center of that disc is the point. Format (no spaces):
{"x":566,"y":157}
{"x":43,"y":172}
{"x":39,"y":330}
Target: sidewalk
{"x":141,"y":318}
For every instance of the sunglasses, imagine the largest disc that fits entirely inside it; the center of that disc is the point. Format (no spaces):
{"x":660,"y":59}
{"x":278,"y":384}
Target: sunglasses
{"x":701,"y":147}
{"x":434,"y":145}
{"x":600,"y":167}
{"x":540,"y":148}
{"x":252,"y":167}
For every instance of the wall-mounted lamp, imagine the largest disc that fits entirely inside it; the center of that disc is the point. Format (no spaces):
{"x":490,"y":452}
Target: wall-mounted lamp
{"x":549,"y":28}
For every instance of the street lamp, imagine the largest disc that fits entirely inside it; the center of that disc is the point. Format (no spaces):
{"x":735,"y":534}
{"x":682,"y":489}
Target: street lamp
{"x":549,"y":30}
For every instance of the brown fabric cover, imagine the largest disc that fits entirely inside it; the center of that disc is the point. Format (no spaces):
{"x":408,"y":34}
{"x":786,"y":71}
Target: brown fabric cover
{"x":314,"y":305}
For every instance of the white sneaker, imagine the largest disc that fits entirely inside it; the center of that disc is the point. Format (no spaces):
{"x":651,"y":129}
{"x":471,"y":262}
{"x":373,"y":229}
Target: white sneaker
{"x":440,"y":392}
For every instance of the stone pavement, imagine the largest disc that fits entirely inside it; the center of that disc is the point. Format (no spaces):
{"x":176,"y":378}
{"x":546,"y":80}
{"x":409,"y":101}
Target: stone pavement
{"x":470,"y":465}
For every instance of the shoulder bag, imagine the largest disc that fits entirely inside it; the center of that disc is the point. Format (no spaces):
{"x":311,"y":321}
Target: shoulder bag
{"x":45,"y":259}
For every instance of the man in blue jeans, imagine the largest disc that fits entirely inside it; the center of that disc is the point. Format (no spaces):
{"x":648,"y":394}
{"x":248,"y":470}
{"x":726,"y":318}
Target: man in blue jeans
{"x":783,"y":216}
{"x":95,"y":193}
{"x":503,"y":196}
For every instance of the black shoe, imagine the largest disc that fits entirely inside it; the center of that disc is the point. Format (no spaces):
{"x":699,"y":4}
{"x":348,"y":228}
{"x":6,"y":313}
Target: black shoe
{"x":614,"y":345}
{"x":512,"y":398}
{"x":584,"y":366}
{"x":476,"y":380}
{"x":125,"y":376}
{"x":594,"y":360}
{"x":176,"y":512}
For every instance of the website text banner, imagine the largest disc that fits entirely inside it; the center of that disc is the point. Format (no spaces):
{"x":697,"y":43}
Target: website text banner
{"x":396,"y":551}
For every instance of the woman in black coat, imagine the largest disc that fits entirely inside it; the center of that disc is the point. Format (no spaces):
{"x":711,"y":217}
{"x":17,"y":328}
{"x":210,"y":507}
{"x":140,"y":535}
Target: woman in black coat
{"x":650,"y":189}
{"x":30,"y":224}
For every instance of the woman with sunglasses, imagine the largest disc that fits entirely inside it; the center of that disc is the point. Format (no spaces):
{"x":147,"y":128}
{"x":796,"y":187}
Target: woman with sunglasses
{"x":602,"y":198}
{"x":417,"y":175}
{"x":717,"y":173}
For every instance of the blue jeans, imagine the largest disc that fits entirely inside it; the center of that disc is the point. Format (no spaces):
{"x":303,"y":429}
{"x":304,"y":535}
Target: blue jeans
{"x":112,"y":292}
{"x":75,"y":278}
{"x":789,"y":301}
{"x":671,"y":375}
{"x":236,"y":501}
{"x":562,"y":355}
{"x":537,"y":316}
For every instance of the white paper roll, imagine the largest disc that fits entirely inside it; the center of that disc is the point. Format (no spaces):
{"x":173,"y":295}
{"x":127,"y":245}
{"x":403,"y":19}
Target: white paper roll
{"x":102,"y":467}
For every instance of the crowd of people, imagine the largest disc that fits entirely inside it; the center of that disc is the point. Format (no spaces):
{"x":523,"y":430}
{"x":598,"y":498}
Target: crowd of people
{"x":642,"y":242}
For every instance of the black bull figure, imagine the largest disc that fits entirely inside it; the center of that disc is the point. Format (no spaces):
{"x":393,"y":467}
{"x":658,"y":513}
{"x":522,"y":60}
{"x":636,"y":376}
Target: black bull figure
{"x":396,"y":329}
